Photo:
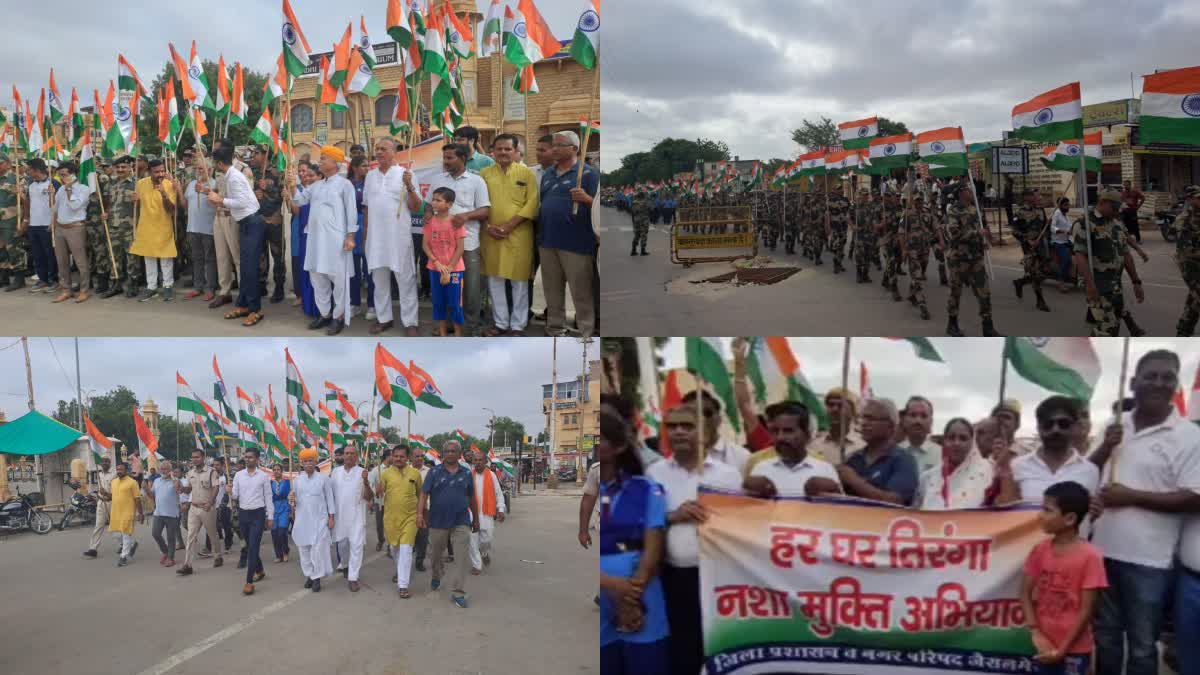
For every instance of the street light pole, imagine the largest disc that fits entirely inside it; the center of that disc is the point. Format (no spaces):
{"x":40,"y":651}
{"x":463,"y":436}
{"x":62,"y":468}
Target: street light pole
{"x":583,"y":396}
{"x":491,"y":428}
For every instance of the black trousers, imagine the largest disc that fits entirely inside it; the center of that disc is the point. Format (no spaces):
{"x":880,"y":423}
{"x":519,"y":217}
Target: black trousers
{"x":681,"y":586}
{"x":225,"y":525}
{"x":279,"y":539}
{"x":1129,"y":217}
{"x":379,"y":521}
{"x":421,"y":545}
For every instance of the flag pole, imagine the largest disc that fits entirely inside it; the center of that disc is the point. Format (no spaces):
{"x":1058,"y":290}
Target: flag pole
{"x":1112,"y":475}
{"x":987,"y":255}
{"x":1003,"y":370}
{"x":587,"y":135}
{"x":845,"y":397}
{"x":287,"y":408}
{"x":1083,"y":200}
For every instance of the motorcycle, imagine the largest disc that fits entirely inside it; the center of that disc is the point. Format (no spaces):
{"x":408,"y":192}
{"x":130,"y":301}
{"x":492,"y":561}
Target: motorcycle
{"x":83,"y":507}
{"x":20,"y":513}
{"x":1165,"y":219}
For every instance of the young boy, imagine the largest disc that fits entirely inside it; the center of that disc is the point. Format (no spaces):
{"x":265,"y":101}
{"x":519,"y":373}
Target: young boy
{"x":444,"y":246}
{"x":1063,"y":577}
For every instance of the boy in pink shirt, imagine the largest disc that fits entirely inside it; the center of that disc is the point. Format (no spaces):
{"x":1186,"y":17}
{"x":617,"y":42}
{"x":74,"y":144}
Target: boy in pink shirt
{"x":1063,"y":578}
{"x":444,"y":246}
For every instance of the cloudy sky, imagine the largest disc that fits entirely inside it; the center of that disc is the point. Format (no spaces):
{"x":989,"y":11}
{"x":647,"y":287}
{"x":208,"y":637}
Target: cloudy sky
{"x":748,"y":72}
{"x":503,"y":374}
{"x":968,"y":384}
{"x":84,"y":38}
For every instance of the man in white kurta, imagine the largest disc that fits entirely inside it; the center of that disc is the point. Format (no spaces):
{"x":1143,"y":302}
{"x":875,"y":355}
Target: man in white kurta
{"x":390,"y":195}
{"x":490,"y":511}
{"x":352,"y":493}
{"x":315,"y":511}
{"x":332,"y":222}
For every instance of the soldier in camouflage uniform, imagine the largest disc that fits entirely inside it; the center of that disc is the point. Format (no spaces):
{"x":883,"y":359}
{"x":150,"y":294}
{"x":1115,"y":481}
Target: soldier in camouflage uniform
{"x":815,"y":227}
{"x":268,"y":188}
{"x":12,"y":254}
{"x":130,"y":267}
{"x":838,"y":208}
{"x":1110,"y":259}
{"x":866,"y":219}
{"x":641,"y":222}
{"x":97,"y":244}
{"x":1029,"y":228}
{"x":791,"y":221}
{"x":888,"y":231}
{"x":920,"y":233}
{"x":965,"y":246}
{"x":1187,"y":253}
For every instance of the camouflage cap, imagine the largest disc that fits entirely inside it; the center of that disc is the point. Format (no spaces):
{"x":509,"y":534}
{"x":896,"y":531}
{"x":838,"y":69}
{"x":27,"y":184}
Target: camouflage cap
{"x":124,"y":159}
{"x":1189,"y":191}
{"x":1110,"y":195}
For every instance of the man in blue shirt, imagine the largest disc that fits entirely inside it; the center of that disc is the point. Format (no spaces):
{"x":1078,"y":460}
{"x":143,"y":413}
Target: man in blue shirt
{"x":166,"y":514}
{"x":881,"y":470}
{"x":446,"y":495}
{"x":566,"y":241}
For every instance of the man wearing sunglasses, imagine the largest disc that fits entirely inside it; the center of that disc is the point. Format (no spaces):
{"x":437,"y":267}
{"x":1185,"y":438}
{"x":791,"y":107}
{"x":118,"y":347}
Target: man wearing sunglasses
{"x":1025,"y":478}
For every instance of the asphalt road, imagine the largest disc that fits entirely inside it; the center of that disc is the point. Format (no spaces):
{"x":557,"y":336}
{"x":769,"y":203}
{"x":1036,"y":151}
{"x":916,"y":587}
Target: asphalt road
{"x":649,"y":295}
{"x":64,"y":614}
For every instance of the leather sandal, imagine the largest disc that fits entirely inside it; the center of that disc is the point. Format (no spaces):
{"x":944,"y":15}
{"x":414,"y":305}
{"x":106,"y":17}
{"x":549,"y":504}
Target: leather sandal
{"x":252,"y":319}
{"x":237,"y":313}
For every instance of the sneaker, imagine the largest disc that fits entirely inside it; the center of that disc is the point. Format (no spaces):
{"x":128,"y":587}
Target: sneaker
{"x":121,"y":562}
{"x":168,"y":294}
{"x":259,"y":576}
{"x":90,"y":553}
{"x":461,"y":601}
{"x":147,"y":295}
{"x":435,"y":584}
{"x":184,"y":571}
{"x":356,"y":310}
{"x":371,"y":314}
{"x":205,"y":554}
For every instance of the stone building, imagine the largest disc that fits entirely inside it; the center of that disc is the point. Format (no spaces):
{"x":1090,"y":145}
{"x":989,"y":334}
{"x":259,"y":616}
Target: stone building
{"x":577,"y":413}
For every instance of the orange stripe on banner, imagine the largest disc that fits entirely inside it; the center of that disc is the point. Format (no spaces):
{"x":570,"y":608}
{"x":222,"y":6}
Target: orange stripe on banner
{"x":1064,"y":94}
{"x":943,"y":134}
{"x":1178,"y":81}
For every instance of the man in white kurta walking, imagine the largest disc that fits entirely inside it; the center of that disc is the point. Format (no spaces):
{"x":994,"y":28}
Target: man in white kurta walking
{"x":314,"y":508}
{"x":490,"y":498}
{"x":390,"y":196}
{"x":352,"y":493}
{"x":332,"y":222}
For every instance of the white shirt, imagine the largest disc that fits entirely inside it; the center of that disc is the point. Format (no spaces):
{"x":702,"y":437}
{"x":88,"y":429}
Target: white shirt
{"x":591,"y":485}
{"x":731,"y":453}
{"x":1161,"y":458}
{"x":252,"y":491}
{"x":332,"y":215}
{"x":1189,"y":543}
{"x":72,"y":209}
{"x":239,"y":197}
{"x":39,"y":204}
{"x":681,"y":485}
{"x":1060,"y":228}
{"x":351,"y":507}
{"x":1033,"y":476}
{"x":479,"y":491}
{"x":220,"y":490}
{"x":789,"y":481}
{"x":470,"y":193}
{"x":373,"y":478}
{"x":928,"y":454}
{"x":314,"y":505}
{"x":389,"y":222}
{"x":201,"y":212}
{"x":424,"y":472}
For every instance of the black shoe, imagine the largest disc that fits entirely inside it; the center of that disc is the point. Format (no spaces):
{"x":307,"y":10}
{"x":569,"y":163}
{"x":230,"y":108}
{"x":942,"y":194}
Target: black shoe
{"x":644,"y":251}
{"x":90,"y":553}
{"x":924,"y":312}
{"x":308,"y":583}
{"x":896,"y":295}
{"x":989,"y":330}
{"x":633,"y":251}
{"x":115,"y":290}
{"x":866,"y":278}
{"x":319,"y":322}
{"x":952,"y":328}
{"x":420,"y":567}
{"x":277,"y":297}
{"x":316,"y":585}
{"x":133,"y":549}
{"x":912,"y":300}
{"x":1134,"y":329}
{"x":1019,"y":287}
{"x":17,"y":283}
{"x":345,"y":572}
{"x":1041,"y":302}
{"x":335,"y":327}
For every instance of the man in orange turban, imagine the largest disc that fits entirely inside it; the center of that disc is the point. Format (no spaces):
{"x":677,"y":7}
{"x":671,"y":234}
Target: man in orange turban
{"x":315,"y":510}
{"x":332,"y":222}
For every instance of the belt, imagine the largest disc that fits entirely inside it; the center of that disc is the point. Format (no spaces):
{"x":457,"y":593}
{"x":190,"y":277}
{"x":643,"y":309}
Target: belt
{"x":1190,"y":571}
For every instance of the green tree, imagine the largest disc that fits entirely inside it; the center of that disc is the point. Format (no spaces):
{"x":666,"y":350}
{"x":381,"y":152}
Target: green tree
{"x":811,"y":136}
{"x":507,"y":432}
{"x":888,"y":127}
{"x":667,"y":158}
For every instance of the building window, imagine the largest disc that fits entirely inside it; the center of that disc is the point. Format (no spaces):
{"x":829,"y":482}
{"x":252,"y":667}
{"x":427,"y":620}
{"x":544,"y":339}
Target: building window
{"x":302,"y":117}
{"x":484,"y":87}
{"x":383,"y":110}
{"x":337,"y":119}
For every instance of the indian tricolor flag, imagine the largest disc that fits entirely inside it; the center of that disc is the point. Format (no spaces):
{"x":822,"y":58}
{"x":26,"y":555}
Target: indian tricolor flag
{"x":490,"y":35}
{"x":923,"y":347}
{"x":812,"y":163}
{"x":397,"y":23}
{"x":392,"y":382}
{"x":586,"y":43}
{"x":56,"y":103}
{"x":1065,"y":155}
{"x":774,"y":370}
{"x":330,"y":94}
{"x":100,"y":444}
{"x":1068,"y":365}
{"x":531,"y":39}
{"x":237,"y":103}
{"x":704,"y":358}
{"x":399,"y":122}
{"x":264,"y":131}
{"x":295,"y":45}
{"x":1171,"y":107}
{"x":87,"y":167}
{"x":858,"y":134}
{"x":147,"y":443}
{"x":222,"y":105}
{"x":274,"y":87}
{"x":943,"y":147}
{"x":891,"y":151}
{"x":186,"y":399}
{"x":427,"y":392}
{"x":360,"y":79}
{"x":418,"y":442}
{"x":1053,"y":116}
{"x":841,"y":160}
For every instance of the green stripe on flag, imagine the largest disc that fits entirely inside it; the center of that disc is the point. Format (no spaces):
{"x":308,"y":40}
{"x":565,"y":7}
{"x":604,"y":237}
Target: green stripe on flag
{"x":704,"y":359}
{"x":1169,"y":130}
{"x":1055,"y":131}
{"x":1034,"y":365}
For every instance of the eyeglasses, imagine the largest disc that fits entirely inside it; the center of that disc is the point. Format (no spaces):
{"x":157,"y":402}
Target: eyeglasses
{"x":1059,"y":422}
{"x":563,"y":145}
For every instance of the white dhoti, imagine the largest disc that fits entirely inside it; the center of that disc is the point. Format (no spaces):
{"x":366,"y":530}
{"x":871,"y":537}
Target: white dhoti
{"x":331,"y":292}
{"x":509,"y":318}
{"x":316,"y":560}
{"x":350,"y":554}
{"x":350,"y":529}
{"x":407,"y":283}
{"x":481,"y":541}
{"x":389,"y":243}
{"x":332,"y":217}
{"x":403,"y":555}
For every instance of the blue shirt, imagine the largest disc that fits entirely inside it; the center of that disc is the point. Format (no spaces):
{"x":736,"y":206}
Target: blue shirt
{"x":557,"y":228}
{"x":279,"y":496}
{"x":895,"y":472}
{"x":166,"y":498}
{"x":625,"y":565}
{"x":449,"y":496}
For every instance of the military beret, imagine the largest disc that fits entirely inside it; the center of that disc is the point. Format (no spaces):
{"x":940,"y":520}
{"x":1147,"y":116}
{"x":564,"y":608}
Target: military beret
{"x":1110,"y":195}
{"x":1192,"y":191}
{"x":124,"y":159}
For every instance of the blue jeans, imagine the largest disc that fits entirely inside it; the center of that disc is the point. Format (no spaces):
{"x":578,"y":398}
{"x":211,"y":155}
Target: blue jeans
{"x":43,"y":255}
{"x":1073,"y":664}
{"x":252,"y":521}
{"x":251,"y":234}
{"x":630,"y":658}
{"x":1187,"y":620}
{"x":1131,"y":608}
{"x":360,"y":273}
{"x":1062,"y":256}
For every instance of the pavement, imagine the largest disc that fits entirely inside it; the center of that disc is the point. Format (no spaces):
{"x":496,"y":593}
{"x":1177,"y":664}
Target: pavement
{"x":531,"y":612}
{"x":26,"y":313}
{"x":649,"y":295}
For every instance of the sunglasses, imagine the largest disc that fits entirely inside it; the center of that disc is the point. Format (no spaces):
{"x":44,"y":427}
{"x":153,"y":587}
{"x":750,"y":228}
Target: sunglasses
{"x":1059,"y":423}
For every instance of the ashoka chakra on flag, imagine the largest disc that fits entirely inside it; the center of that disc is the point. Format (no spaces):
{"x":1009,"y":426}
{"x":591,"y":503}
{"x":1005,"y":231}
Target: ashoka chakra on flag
{"x":1191,"y":105}
{"x":863,"y":131}
{"x":937,"y":147}
{"x":1044,"y":116}
{"x":589,"y":22}
{"x":519,"y":30}
{"x":889,"y":149}
{"x":289,"y":34}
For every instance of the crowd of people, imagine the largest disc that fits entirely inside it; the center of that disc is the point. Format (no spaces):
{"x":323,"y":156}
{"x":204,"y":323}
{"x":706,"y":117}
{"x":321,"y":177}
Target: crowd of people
{"x":1134,"y":494}
{"x":357,"y":228}
{"x":895,"y":230}
{"x":421,"y":512}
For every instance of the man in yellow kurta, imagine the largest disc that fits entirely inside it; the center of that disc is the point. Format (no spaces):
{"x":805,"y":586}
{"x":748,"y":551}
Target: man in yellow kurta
{"x":154,"y":238}
{"x":508,"y":243}
{"x":400,"y":487}
{"x":126,"y":500}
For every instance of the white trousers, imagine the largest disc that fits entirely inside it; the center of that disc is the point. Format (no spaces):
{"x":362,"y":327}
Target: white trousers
{"x":383,"y":296}
{"x":403,"y":555}
{"x":315,"y":561}
{"x":350,"y":554}
{"x":124,"y":543}
{"x":507,"y":318}
{"x":481,"y":541}
{"x":330,"y":290}
{"x":168,"y":272}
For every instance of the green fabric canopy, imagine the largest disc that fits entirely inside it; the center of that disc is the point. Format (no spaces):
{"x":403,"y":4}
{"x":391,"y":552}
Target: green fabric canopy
{"x":35,"y":434}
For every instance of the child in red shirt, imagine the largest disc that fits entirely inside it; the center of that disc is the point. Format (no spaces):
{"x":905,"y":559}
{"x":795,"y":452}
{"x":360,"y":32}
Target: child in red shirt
{"x":1063,"y":578}
{"x":443,"y":245}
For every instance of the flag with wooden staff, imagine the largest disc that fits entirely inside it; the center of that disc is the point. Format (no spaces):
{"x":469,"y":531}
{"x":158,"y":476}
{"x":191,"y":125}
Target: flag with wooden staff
{"x":585,"y":46}
{"x":341,"y":59}
{"x":55,"y":101}
{"x":221,"y":107}
{"x":237,"y":102}
{"x":75,"y":115}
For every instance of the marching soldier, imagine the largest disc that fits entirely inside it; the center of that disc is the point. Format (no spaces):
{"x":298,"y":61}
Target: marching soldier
{"x":1110,"y":259}
{"x":98,"y":258}
{"x":1187,"y":253}
{"x":12,"y":253}
{"x":838,"y":208}
{"x":919,"y":235}
{"x":1029,"y":228}
{"x":641,"y":222}
{"x":965,"y":247}
{"x":865,"y":221}
{"x":130,"y":268}
{"x":815,"y":227}
{"x":791,"y":222}
{"x":888,"y":230}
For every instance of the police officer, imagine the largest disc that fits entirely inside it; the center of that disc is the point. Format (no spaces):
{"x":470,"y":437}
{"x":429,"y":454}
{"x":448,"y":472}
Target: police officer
{"x":1029,"y":228}
{"x":640,"y":210}
{"x":918,"y":237}
{"x":888,"y":231}
{"x":1110,"y":259}
{"x":965,"y":246}
{"x":1187,"y":253}
{"x":866,"y":219}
